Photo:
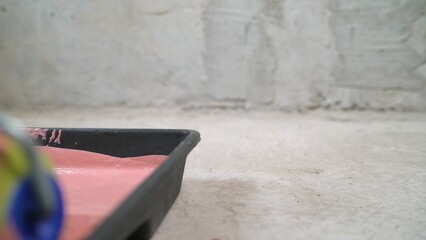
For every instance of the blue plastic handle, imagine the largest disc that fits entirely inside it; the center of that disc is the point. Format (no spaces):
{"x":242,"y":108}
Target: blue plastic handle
{"x":26,"y":215}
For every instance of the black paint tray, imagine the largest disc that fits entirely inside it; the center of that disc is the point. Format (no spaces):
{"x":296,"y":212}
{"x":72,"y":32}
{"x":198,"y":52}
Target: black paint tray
{"x":142,"y":212}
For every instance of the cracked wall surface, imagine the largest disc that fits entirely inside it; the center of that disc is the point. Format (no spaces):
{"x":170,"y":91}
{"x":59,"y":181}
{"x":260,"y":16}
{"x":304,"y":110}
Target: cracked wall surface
{"x":279,"y":54}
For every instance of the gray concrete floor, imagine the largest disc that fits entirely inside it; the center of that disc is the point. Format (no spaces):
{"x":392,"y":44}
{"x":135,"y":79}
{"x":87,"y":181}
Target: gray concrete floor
{"x":269,"y":175}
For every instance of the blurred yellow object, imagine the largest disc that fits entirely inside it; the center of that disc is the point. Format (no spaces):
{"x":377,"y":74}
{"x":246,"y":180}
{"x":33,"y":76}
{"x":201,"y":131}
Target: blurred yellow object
{"x":31,"y":204}
{"x":13,"y":168}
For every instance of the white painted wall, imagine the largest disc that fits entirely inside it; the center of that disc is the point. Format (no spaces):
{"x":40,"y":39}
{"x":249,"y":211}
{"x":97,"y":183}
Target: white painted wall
{"x":286,"y":54}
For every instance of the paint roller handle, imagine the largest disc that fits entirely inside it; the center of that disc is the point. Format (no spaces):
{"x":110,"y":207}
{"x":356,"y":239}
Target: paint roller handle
{"x":38,"y":178}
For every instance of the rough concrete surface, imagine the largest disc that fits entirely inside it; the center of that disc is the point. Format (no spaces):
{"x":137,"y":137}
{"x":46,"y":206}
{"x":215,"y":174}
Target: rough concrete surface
{"x":266,"y":175}
{"x":284,"y":54}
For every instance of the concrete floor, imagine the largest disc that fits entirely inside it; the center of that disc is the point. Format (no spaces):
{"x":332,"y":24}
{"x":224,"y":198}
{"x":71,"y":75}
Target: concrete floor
{"x":269,"y":175}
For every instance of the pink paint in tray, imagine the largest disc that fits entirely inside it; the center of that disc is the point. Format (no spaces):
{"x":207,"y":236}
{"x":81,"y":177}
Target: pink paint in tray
{"x":95,"y":184}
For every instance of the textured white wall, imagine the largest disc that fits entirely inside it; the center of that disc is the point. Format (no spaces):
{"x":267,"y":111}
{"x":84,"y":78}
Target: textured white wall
{"x":287,"y":54}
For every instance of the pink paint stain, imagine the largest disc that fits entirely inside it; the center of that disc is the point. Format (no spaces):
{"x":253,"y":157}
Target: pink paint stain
{"x":52,"y":137}
{"x":58,"y":139}
{"x":55,"y":139}
{"x":36,"y":132}
{"x":95,"y":184}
